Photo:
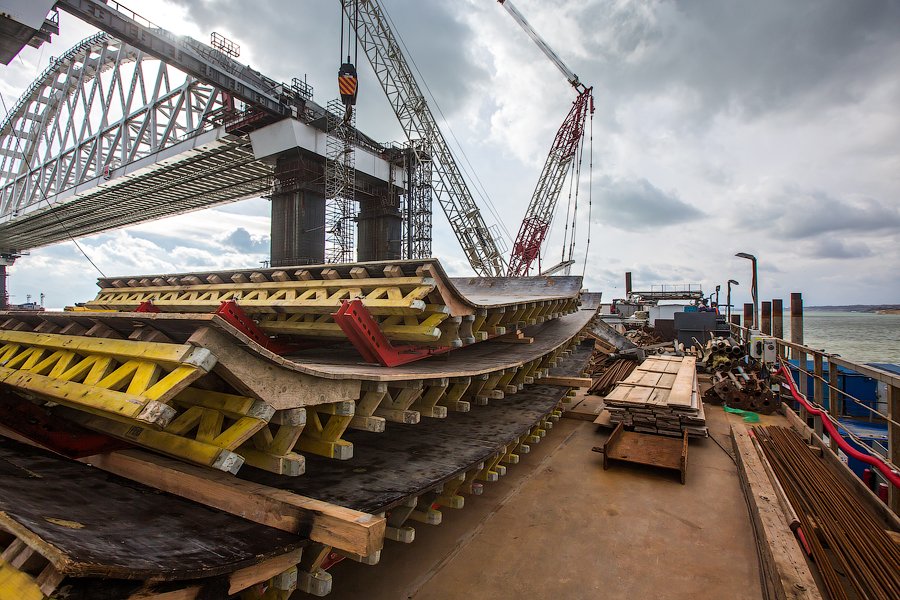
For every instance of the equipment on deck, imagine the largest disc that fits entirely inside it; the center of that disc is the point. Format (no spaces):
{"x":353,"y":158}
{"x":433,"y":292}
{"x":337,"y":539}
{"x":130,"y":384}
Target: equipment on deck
{"x":742,"y":379}
{"x":646,"y":449}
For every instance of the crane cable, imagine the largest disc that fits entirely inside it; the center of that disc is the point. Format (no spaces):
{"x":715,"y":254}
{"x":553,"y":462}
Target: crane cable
{"x":578,"y":164}
{"x":471,"y":173}
{"x":587,"y":246}
{"x":348,"y":78}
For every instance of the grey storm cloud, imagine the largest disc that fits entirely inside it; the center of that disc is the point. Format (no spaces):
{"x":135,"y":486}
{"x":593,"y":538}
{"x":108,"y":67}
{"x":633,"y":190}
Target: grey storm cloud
{"x":241,"y":240}
{"x":292,"y":39}
{"x":747,"y":56}
{"x":799,"y":214}
{"x":839,"y":249}
{"x":638,"y":205}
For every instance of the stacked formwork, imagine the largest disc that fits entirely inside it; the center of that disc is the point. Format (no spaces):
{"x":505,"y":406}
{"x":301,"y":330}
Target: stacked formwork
{"x":295,"y":413}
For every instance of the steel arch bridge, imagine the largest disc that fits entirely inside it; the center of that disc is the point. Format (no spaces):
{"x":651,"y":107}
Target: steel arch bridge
{"x":127,"y":134}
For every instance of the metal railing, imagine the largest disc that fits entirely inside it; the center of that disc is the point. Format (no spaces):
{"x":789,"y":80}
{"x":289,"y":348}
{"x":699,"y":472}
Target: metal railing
{"x":824,"y":376}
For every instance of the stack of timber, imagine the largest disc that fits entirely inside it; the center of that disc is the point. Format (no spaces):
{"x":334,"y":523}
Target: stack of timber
{"x":660,"y":396}
{"x":301,"y":454}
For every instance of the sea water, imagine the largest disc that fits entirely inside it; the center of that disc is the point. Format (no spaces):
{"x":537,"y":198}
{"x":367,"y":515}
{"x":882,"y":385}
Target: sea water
{"x":855,"y":336}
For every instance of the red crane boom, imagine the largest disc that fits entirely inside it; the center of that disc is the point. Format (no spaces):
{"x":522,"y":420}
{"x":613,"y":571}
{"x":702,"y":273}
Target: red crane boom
{"x":539,"y":216}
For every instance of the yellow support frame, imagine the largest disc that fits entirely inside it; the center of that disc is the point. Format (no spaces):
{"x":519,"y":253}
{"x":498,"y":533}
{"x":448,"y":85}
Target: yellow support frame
{"x":119,"y":379}
{"x":382,"y":296}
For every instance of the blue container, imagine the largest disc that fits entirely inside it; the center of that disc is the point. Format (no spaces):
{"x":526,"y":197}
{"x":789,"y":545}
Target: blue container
{"x":868,"y":433}
{"x":864,"y":389}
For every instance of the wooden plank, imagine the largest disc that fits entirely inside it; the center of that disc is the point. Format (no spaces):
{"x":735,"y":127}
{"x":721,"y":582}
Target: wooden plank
{"x":683,"y":386}
{"x":604,"y":419}
{"x":102,"y":526}
{"x":238,"y":581}
{"x":588,"y":409}
{"x":785,"y":568}
{"x":573,"y":382}
{"x":342,"y":528}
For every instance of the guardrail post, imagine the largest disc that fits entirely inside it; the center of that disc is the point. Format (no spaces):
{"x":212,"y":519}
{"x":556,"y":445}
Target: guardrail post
{"x":893,"y":407}
{"x":748,"y":316}
{"x":835,"y":397}
{"x":818,"y":389}
{"x":778,"y":318}
{"x":797,"y":318}
{"x":802,"y":383}
{"x":797,"y":338}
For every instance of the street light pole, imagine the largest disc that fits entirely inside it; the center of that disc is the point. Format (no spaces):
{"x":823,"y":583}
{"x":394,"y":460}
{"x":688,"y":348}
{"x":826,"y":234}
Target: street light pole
{"x":731,"y":282}
{"x":753,"y":289}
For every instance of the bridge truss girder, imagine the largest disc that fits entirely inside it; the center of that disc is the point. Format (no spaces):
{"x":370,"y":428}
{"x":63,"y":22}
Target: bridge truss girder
{"x":100,"y":107}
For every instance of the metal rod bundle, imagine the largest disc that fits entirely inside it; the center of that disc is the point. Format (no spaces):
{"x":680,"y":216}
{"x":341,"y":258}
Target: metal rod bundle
{"x":850,"y":547}
{"x":615,"y":372}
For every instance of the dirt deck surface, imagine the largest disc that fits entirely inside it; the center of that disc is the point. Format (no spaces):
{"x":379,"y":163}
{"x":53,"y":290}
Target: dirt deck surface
{"x":558,"y":526}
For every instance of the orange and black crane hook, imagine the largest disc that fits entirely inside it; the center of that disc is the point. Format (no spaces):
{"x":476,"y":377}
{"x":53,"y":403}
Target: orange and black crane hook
{"x":348,"y":80}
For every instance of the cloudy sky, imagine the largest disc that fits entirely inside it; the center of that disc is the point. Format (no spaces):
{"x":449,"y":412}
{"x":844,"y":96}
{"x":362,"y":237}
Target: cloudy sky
{"x":766,"y":127}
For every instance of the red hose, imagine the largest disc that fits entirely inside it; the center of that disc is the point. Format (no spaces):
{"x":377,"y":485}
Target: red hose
{"x":879,"y":464}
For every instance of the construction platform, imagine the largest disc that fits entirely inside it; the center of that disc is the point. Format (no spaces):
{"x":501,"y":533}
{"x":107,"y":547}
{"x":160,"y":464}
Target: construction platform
{"x":301,"y":445}
{"x":562,"y":527}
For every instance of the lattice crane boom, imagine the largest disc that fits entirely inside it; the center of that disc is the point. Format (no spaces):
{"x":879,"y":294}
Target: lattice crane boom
{"x":569,"y":74}
{"x":418,"y":123}
{"x":536,"y":224}
{"x":539,"y":216}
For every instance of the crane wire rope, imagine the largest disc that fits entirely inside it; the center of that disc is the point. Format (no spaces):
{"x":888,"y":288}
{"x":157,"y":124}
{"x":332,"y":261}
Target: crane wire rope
{"x":565,"y":242}
{"x":587,"y":246}
{"x":573,"y":234}
{"x":44,"y":197}
{"x":473,"y":176}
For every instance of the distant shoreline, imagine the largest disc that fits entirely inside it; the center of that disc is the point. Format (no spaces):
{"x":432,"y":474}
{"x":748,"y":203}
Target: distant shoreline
{"x":881,"y":309}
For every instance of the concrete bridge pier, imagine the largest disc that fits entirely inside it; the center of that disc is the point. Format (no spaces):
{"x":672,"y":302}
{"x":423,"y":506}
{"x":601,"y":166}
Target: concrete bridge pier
{"x":298,"y":214}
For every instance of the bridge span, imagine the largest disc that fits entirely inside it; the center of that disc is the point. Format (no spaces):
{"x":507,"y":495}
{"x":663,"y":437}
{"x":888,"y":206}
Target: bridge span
{"x":113,"y":134}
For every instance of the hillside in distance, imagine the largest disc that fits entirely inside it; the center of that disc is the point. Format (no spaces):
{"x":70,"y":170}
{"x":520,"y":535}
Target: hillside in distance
{"x":865,"y":308}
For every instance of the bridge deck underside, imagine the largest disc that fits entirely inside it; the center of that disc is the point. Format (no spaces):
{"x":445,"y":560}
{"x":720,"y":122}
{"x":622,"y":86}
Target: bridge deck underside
{"x":217,"y":173}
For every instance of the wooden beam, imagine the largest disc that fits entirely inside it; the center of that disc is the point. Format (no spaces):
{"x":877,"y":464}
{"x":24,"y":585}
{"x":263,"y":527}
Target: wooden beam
{"x":329,"y":524}
{"x":893,"y":402}
{"x":785,"y":569}
{"x":515,"y":337}
{"x":238,"y":581}
{"x":575,"y":382}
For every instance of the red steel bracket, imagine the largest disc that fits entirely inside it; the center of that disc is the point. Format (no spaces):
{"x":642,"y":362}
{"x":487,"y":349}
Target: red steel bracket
{"x":364,"y":333}
{"x":147,"y":307}
{"x":235,"y":316}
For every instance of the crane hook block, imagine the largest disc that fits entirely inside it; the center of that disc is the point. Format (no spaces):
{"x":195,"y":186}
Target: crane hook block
{"x":347,"y":83}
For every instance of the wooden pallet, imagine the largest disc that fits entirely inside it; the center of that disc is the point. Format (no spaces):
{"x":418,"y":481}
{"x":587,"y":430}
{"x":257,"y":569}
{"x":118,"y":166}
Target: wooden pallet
{"x":646,"y":449}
